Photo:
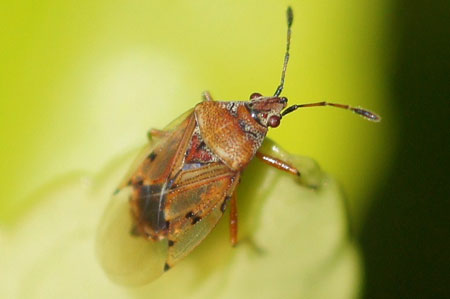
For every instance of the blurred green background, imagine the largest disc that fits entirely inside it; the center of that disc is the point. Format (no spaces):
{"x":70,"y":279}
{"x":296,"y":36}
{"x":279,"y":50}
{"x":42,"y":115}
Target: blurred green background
{"x":81,"y":82}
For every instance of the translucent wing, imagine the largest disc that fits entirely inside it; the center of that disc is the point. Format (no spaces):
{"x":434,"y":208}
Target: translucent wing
{"x":173,"y":134}
{"x":152,"y":178}
{"x":189,"y":238}
{"x":138,"y":260}
{"x":194,"y":205}
{"x":125,"y":258}
{"x":175,"y":202}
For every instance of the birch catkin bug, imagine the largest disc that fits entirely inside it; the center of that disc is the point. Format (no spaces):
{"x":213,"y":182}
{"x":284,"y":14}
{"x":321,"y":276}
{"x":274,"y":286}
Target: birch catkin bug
{"x":189,"y":174}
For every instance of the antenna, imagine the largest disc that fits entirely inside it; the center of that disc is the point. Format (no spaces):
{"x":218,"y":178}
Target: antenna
{"x":290,"y":19}
{"x":363,"y":112}
{"x":360,"y":111}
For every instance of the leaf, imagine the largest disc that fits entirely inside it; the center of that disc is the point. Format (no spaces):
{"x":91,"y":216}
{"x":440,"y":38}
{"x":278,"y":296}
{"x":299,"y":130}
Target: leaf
{"x":294,"y":242}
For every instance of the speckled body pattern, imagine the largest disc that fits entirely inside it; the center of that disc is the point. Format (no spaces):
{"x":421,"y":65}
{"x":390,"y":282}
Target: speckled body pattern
{"x":189,"y":172}
{"x":182,"y":186}
{"x":230,"y":131}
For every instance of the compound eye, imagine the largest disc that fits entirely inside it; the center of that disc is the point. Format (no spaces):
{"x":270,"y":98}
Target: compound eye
{"x":274,"y":121}
{"x":255,"y":95}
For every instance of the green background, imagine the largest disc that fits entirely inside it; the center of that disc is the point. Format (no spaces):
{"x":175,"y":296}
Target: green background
{"x":81,"y":82}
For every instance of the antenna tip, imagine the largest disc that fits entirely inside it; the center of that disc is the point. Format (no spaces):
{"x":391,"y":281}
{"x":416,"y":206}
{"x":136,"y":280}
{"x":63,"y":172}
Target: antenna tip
{"x":367,"y":114}
{"x":290,"y":16}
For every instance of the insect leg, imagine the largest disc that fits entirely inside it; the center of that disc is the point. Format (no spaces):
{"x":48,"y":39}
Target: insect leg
{"x":155,"y":134}
{"x":277,"y":163}
{"x":206,"y":96}
{"x":233,"y":220}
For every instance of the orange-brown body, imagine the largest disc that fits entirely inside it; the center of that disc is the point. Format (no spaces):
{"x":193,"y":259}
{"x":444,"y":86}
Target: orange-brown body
{"x":182,"y":186}
{"x":230,"y":131}
{"x":187,"y":176}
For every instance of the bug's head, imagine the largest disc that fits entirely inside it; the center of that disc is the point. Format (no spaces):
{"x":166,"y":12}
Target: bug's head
{"x":267,"y":110}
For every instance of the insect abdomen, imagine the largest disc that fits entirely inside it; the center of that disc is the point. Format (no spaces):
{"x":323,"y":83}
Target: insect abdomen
{"x":147,"y":205}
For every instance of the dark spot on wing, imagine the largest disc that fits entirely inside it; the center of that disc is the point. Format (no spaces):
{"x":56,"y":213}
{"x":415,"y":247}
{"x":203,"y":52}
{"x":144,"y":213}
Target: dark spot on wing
{"x":223,"y":206}
{"x":152,"y":156}
{"x":196,"y":219}
{"x":171,"y":243}
{"x":193,"y":217}
{"x":166,"y":267}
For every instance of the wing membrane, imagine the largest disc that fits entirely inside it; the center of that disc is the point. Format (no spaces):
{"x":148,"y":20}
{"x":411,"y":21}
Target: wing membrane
{"x":176,"y":200}
{"x":150,"y":179}
{"x":195,"y":205}
{"x":186,"y":240}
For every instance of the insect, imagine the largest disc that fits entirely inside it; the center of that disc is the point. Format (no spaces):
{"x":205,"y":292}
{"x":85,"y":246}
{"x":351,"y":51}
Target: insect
{"x":188,"y":176}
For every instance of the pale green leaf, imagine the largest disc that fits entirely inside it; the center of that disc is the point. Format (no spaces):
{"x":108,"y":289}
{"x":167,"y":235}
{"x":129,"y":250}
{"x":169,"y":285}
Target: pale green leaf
{"x":294,"y":242}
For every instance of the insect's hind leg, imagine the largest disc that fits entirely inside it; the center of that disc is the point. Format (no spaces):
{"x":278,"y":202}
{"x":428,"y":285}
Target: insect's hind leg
{"x":234,"y":227}
{"x":233,"y":220}
{"x":277,"y":163}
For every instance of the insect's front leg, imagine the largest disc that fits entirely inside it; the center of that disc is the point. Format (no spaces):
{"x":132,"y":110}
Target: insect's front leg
{"x":155,"y":134}
{"x":206,"y":96}
{"x":277,"y":163}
